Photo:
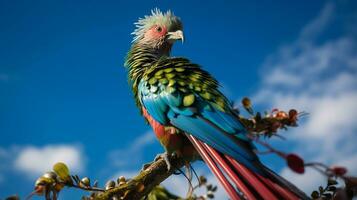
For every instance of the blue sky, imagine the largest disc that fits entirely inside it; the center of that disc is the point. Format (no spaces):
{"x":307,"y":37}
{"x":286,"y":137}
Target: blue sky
{"x":64,"y":93}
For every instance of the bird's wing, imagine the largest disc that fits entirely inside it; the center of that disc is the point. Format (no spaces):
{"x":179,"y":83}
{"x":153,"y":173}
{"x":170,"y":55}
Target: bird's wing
{"x":179,"y":93}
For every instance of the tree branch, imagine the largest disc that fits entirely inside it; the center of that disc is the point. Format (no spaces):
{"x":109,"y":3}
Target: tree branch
{"x":144,"y":182}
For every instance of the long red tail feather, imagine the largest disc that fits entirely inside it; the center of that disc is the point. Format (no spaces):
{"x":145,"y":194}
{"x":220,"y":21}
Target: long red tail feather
{"x":247,"y":184}
{"x":233,"y":176}
{"x":220,"y":176}
{"x":251,"y":178}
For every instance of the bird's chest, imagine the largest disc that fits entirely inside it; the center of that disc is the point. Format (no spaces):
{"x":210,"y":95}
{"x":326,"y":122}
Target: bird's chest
{"x":168,"y":136}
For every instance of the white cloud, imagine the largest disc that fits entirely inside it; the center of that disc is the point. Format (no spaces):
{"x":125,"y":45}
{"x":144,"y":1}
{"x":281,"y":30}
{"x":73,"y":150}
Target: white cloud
{"x":36,"y":160}
{"x":319,"y":78}
{"x":308,"y":182}
{"x":143,"y":140}
{"x":33,"y":161}
{"x":278,"y":77}
{"x":332,"y":115}
{"x":124,"y":156}
{"x":312,"y":179}
{"x":350,"y":163}
{"x":317,"y":25}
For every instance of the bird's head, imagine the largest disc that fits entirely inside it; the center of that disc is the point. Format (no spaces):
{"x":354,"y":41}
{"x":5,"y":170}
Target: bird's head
{"x":158,"y":30}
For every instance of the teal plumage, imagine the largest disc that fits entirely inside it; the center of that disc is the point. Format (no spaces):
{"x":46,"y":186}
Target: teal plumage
{"x":182,"y":103}
{"x":176,"y":92}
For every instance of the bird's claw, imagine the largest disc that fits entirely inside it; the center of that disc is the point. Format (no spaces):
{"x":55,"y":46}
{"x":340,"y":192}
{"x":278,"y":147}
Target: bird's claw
{"x":145,"y":166}
{"x":166,"y":158}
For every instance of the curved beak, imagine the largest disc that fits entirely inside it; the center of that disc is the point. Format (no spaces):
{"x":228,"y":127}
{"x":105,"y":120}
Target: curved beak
{"x":176,"y":35}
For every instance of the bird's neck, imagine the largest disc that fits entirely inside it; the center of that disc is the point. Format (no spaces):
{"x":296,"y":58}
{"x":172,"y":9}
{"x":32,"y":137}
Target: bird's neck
{"x":139,"y":59}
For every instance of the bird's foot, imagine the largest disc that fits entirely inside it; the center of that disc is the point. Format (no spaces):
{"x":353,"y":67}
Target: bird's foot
{"x":145,"y":166}
{"x":166,"y":156}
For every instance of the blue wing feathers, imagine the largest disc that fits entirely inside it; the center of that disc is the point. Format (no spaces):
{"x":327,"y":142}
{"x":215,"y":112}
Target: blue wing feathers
{"x":216,"y":119}
{"x":156,"y":107}
{"x":204,"y":121}
{"x":216,"y":139}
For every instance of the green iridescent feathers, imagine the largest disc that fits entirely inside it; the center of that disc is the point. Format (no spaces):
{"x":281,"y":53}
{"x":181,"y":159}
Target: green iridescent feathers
{"x":137,"y":61}
{"x":180,"y":75}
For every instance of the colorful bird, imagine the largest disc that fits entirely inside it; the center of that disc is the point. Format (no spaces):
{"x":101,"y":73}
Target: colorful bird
{"x":191,"y":117}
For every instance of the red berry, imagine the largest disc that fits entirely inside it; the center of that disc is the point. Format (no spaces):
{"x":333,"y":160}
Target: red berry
{"x":293,"y":113}
{"x":295,"y":163}
{"x":275,"y":126}
{"x":281,"y":115}
{"x":339,"y":171}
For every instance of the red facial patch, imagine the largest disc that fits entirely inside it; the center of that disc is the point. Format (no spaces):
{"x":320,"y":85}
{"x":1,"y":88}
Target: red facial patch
{"x":156,"y":32}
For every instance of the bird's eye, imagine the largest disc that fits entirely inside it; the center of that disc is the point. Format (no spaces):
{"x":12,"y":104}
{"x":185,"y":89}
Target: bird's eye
{"x":158,"y":29}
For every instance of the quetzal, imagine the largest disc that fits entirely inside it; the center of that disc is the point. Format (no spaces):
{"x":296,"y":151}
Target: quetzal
{"x":191,"y":117}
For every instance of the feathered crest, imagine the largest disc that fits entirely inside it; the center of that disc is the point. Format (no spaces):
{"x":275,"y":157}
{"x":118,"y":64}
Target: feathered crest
{"x":157,"y":17}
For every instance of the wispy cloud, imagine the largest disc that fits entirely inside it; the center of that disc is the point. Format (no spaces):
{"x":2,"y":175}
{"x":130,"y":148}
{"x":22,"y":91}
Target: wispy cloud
{"x":319,"y":24}
{"x":132,"y":153}
{"x":36,"y":160}
{"x":317,"y":77}
{"x":143,"y":140}
{"x":33,"y":161}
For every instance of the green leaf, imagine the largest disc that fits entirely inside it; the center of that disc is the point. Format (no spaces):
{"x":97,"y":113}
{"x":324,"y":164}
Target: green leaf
{"x":327,"y":195}
{"x":331,"y":188}
{"x":214,"y":189}
{"x":62,"y":171}
{"x":321,"y":189}
{"x":332,"y":182}
{"x":315,"y":194}
{"x":210,"y":196}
